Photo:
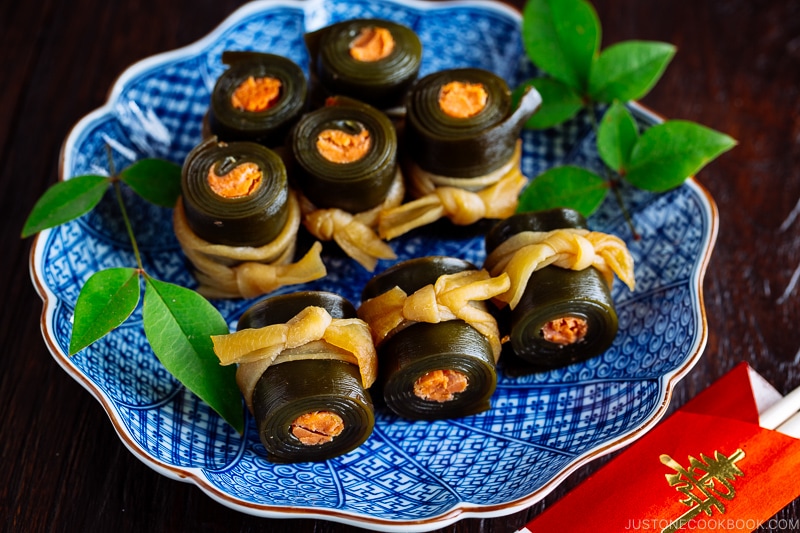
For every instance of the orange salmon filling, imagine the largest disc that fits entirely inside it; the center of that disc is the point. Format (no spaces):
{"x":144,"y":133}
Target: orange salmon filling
{"x":440,"y":385}
{"x":256,"y":94}
{"x":241,"y":181}
{"x":338,"y":146}
{"x":565,"y":330}
{"x":317,"y":427}
{"x":462,"y":100}
{"x":372,"y":44}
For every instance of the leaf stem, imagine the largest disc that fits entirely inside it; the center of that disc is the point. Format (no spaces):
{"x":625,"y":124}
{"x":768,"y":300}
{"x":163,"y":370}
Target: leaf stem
{"x":128,"y":227}
{"x":118,"y":191}
{"x":618,"y":195}
{"x":613,"y":182}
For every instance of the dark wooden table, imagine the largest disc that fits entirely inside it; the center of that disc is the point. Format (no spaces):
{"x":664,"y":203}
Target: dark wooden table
{"x":63,"y":467}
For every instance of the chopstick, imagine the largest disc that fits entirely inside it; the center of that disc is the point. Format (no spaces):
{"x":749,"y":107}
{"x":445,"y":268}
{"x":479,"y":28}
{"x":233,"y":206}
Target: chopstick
{"x":781,"y":411}
{"x":791,"y":427}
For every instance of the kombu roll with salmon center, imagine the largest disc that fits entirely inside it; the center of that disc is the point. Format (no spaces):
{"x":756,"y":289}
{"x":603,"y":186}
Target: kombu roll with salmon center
{"x":237,"y":221}
{"x":437,"y":343}
{"x":371,"y":60}
{"x":559,"y":309}
{"x":258,"y":98}
{"x":345,"y":167}
{"x":462,"y":150}
{"x":305,"y":363}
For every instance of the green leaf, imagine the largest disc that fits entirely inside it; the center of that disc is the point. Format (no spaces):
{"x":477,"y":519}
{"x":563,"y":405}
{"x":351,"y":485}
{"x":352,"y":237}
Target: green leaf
{"x":567,"y":186}
{"x":559,"y":102}
{"x":628,"y":70}
{"x":106,"y":300}
{"x":616,"y":137}
{"x":178,"y":323}
{"x":65,"y":201}
{"x":156,"y":180}
{"x":668,"y":153}
{"x":562,"y":38}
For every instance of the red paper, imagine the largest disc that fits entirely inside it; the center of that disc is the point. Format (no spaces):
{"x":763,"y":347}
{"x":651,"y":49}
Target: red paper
{"x":708,"y":467}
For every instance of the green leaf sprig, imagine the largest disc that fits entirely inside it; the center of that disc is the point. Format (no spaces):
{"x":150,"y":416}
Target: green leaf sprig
{"x":178,"y":322}
{"x":562,"y":38}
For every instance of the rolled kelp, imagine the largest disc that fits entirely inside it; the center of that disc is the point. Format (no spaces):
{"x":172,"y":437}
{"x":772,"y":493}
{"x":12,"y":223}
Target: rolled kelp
{"x":437,"y":343}
{"x":235,"y":194}
{"x":462,"y":150}
{"x":237,"y":221}
{"x":258,"y":98}
{"x":345,"y":167}
{"x":561,"y":308}
{"x":372,"y":60}
{"x":305,"y":363}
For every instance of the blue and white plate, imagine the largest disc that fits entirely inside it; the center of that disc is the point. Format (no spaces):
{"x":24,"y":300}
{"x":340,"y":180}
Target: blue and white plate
{"x":408,"y":476}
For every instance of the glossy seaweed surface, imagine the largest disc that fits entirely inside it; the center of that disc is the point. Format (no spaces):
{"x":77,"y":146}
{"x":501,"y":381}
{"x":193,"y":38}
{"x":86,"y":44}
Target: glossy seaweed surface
{"x":540,"y":426}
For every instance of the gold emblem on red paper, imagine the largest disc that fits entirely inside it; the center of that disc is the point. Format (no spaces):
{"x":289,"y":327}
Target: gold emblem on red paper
{"x":705,"y":484}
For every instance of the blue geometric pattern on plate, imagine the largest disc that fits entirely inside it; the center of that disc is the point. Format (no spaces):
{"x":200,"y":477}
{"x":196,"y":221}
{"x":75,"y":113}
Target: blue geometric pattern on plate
{"x":408,"y":476}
